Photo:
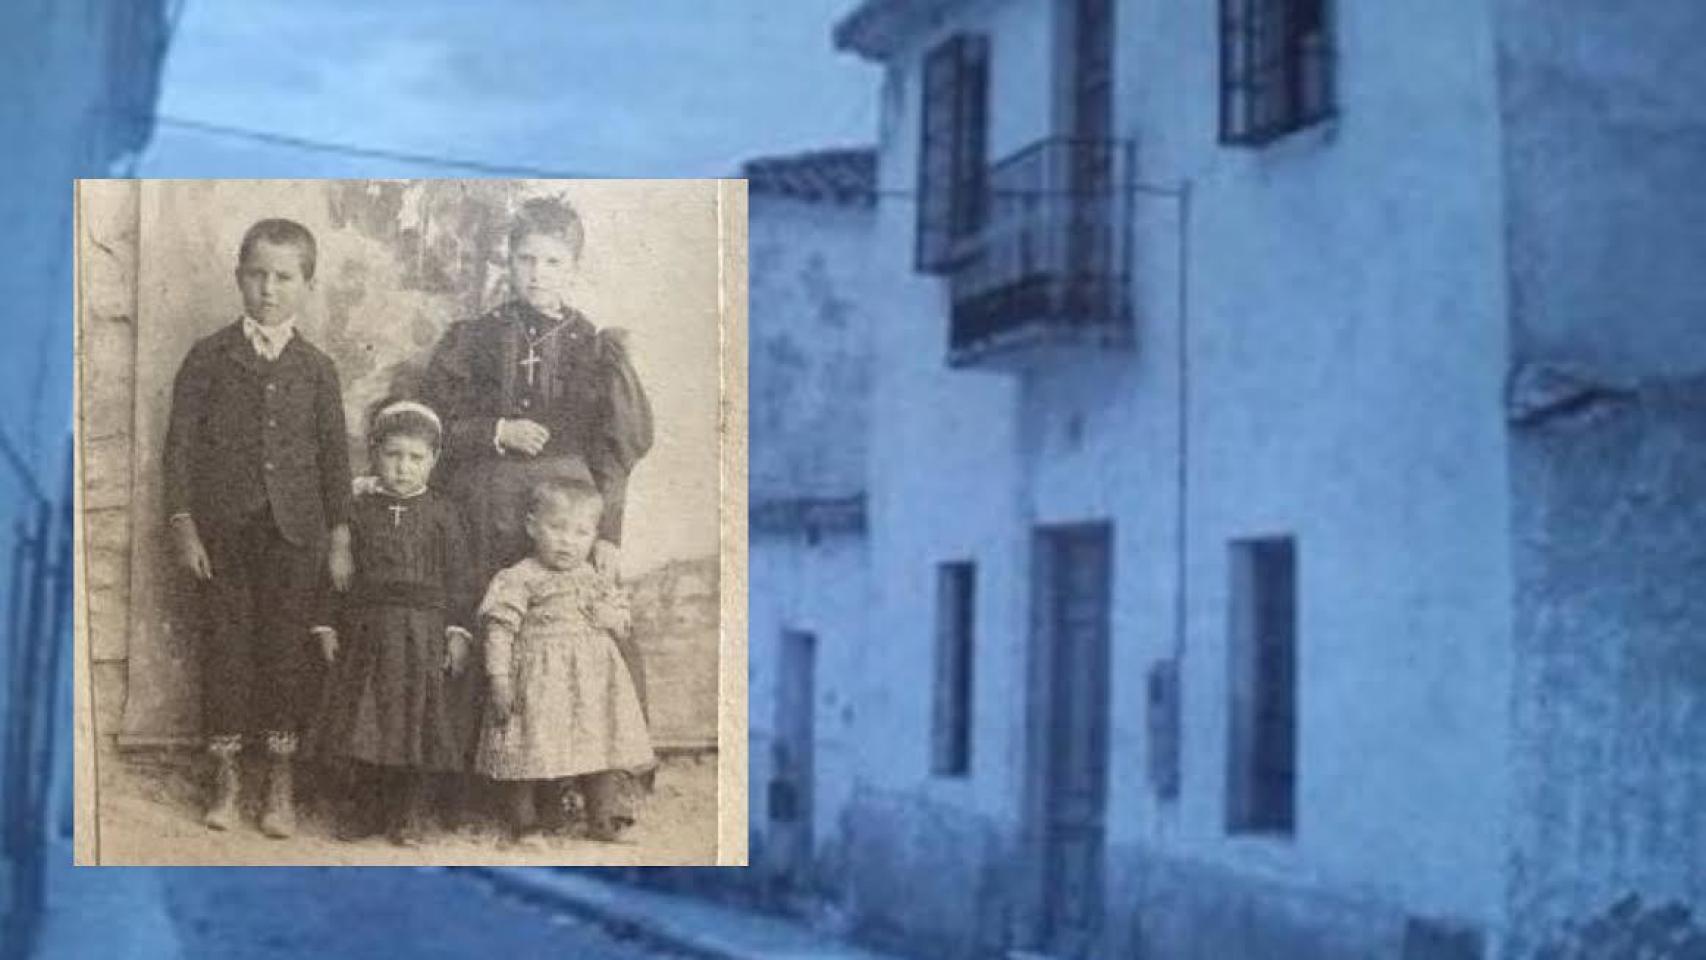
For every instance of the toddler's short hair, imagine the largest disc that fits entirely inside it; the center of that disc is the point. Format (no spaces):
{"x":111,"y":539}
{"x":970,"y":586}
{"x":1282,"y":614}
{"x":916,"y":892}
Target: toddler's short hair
{"x":548,"y":217}
{"x":561,"y":491}
{"x":405,"y":418}
{"x":280,"y":231}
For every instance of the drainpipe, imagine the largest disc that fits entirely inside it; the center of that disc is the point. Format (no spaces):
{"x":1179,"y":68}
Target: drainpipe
{"x":1165,"y":684}
{"x":1184,"y":405}
{"x":1171,"y":782}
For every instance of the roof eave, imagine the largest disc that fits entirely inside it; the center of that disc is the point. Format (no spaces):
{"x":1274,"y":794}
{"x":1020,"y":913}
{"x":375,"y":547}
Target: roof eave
{"x":875,"y":28}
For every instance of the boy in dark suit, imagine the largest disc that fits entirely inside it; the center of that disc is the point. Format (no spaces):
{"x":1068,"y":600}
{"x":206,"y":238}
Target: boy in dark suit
{"x":258,"y":489}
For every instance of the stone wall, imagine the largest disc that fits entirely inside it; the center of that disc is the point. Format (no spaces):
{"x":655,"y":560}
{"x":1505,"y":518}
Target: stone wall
{"x":1610,"y":551}
{"x":106,"y":330}
{"x":1603,"y":141}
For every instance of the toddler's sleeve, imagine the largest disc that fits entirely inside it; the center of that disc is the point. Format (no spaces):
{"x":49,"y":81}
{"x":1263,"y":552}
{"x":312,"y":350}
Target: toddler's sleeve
{"x":500,"y":619}
{"x":612,"y":610}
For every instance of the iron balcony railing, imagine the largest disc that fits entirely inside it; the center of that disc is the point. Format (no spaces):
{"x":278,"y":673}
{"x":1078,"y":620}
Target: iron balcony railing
{"x":1051,"y":260}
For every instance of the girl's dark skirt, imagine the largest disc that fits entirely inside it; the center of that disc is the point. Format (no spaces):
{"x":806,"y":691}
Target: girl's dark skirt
{"x":389,"y":700}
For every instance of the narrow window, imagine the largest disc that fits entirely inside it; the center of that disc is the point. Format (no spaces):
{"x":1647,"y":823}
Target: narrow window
{"x":1092,"y":74}
{"x":956,"y":596}
{"x":1262,"y":752}
{"x":1276,"y":68}
{"x":951,"y":162}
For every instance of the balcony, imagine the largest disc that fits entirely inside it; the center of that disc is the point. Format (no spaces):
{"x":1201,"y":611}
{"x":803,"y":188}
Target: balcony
{"x":1049,"y":265}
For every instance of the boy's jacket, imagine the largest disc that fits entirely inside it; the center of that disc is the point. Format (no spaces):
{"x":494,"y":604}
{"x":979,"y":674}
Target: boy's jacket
{"x":245,"y":433}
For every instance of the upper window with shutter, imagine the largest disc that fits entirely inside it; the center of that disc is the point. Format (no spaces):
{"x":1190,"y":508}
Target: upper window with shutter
{"x":1276,"y":68}
{"x":951,"y":165}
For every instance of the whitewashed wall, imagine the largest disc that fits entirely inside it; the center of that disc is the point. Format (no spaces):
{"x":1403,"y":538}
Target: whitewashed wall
{"x":1347,"y":341}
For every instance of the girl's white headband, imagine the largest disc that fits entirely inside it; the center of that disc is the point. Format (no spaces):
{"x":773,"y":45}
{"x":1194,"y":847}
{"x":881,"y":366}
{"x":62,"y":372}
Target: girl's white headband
{"x":410,"y":406}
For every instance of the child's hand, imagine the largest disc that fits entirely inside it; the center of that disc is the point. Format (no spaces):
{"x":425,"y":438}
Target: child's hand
{"x":328,"y":639}
{"x":191,"y":552}
{"x":502,"y":699}
{"x":340,"y":561}
{"x":456,"y":644}
{"x":607,"y":559}
{"x":614,"y":617}
{"x":363,"y":485}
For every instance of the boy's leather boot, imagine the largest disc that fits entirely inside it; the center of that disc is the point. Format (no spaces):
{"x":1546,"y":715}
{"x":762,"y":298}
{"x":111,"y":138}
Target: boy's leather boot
{"x":279,"y":817}
{"x":222,"y":809}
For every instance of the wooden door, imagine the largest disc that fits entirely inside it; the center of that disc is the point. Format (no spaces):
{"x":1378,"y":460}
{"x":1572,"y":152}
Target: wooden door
{"x":1072,"y":755}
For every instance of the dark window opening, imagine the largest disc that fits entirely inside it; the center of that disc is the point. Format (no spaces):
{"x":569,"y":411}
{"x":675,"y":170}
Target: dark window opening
{"x":1276,"y":68}
{"x":1262,"y":752}
{"x":1092,"y":79}
{"x":952,"y":163}
{"x":956,"y":596}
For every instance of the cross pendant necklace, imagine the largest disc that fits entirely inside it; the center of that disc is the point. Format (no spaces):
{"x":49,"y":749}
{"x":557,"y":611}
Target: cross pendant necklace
{"x":397,"y":510}
{"x":533,"y":359}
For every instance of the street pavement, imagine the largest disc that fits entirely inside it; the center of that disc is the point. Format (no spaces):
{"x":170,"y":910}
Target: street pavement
{"x":268,"y":913}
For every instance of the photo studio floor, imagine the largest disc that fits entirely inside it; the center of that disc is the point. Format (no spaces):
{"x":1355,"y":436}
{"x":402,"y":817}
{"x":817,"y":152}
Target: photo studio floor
{"x":151,"y":814}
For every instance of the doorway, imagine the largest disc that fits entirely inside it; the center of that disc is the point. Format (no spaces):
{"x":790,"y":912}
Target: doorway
{"x":1069,"y":725}
{"x":792,"y":771}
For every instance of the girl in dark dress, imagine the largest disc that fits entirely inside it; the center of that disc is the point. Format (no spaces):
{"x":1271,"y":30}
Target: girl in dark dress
{"x":534,"y":391}
{"x":398,"y":658}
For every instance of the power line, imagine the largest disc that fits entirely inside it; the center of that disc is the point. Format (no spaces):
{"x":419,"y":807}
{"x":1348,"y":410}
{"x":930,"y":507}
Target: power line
{"x":444,"y":161}
{"x":315,"y":145}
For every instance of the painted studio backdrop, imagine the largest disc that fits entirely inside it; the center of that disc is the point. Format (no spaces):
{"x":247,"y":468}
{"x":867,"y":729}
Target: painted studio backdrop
{"x":399,"y":261}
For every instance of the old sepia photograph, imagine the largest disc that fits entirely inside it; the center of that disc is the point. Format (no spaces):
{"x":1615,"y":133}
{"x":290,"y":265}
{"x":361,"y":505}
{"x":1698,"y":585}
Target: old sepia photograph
{"x":410,"y":522}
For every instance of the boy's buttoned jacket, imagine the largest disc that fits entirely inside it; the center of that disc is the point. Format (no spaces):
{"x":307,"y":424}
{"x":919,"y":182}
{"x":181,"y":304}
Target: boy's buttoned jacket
{"x":247,"y":433}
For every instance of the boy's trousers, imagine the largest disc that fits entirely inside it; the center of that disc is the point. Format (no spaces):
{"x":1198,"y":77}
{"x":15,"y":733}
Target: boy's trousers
{"x":259,"y":671}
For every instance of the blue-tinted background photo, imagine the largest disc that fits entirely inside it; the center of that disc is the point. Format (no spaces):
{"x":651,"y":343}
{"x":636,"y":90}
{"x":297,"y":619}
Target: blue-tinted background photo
{"x":1226,"y":479}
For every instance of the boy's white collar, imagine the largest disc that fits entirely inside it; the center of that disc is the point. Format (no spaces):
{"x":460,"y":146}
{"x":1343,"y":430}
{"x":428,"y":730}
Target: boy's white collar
{"x":278,"y":334}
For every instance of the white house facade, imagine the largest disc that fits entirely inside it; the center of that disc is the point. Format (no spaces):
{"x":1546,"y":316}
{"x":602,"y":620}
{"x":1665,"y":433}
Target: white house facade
{"x":1227,"y":363}
{"x":811,"y":221}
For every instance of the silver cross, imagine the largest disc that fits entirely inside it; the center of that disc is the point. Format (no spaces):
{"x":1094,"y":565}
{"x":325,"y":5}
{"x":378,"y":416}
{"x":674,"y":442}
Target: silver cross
{"x":533,"y":360}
